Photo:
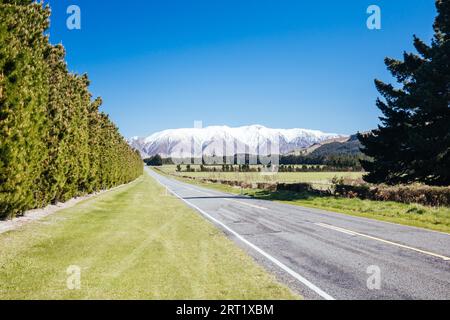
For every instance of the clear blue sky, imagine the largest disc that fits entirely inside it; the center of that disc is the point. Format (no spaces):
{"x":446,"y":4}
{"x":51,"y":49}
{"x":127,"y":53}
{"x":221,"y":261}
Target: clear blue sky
{"x":164,"y":64}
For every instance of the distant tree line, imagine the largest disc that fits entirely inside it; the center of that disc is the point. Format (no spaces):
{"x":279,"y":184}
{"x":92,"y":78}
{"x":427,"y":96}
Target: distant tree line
{"x":155,"y":161}
{"x":288,"y":163}
{"x":258,"y":168}
{"x":215,"y":160}
{"x":216,"y":168}
{"x":337,"y":161}
{"x":54,"y":142}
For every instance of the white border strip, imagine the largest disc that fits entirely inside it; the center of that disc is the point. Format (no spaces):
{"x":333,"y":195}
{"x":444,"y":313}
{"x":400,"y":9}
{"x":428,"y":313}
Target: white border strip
{"x":285,"y":268}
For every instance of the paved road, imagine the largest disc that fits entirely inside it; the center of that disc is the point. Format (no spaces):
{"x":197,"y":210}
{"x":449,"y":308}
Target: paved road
{"x":326,"y":255}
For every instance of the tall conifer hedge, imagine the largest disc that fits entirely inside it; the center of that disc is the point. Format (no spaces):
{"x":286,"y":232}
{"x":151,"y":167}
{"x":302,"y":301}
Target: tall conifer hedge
{"x":54,"y":142}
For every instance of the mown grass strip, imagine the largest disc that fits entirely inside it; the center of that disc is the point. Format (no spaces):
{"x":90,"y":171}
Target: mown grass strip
{"x":136,"y":242}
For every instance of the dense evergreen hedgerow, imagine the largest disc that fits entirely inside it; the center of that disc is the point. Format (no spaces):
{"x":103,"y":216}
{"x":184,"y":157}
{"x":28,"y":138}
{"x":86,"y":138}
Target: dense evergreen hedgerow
{"x":54,"y":142}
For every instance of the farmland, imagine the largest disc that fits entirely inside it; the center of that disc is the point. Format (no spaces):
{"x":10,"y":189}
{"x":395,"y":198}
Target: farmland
{"x":318,"y":178}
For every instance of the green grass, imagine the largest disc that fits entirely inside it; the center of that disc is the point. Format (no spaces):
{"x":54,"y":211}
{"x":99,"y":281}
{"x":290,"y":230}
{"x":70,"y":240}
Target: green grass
{"x":416,"y":215}
{"x":135,"y":242}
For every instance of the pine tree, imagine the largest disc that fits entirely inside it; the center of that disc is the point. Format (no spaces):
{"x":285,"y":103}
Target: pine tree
{"x":413,"y":142}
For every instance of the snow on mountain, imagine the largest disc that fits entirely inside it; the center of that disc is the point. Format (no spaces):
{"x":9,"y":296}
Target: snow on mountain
{"x":223,"y":140}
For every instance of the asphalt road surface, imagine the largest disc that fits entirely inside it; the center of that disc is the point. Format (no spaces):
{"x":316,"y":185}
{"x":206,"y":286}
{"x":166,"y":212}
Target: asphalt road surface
{"x":326,"y":255}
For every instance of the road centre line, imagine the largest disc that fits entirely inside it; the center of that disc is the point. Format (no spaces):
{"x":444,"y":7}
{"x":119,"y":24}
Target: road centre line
{"x":232,"y":200}
{"x":354,"y":233}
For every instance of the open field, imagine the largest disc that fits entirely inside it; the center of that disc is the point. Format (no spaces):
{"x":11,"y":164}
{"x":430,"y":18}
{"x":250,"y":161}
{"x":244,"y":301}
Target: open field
{"x":433,"y":218}
{"x":135,"y":242}
{"x":253,"y":177}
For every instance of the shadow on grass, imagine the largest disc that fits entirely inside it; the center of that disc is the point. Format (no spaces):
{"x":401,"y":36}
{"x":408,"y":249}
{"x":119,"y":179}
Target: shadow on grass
{"x":286,"y":195}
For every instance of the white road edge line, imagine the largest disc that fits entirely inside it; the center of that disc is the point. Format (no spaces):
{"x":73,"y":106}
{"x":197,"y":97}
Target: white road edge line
{"x":278,"y":263}
{"x":353,"y":233}
{"x":240,"y":202}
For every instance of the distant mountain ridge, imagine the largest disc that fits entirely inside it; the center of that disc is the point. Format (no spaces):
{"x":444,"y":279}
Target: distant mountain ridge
{"x":347,"y":145}
{"x":227,"y":141}
{"x":350,"y":147}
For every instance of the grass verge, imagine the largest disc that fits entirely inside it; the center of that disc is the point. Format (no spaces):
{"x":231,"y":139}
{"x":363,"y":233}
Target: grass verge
{"x":132,"y":243}
{"x":416,"y":215}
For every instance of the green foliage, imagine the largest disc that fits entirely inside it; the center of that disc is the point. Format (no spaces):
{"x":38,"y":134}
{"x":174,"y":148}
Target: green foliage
{"x":54,"y":143}
{"x":425,"y":195}
{"x":326,"y":162}
{"x":16,"y":2}
{"x":413,"y":142}
{"x":155,"y":161}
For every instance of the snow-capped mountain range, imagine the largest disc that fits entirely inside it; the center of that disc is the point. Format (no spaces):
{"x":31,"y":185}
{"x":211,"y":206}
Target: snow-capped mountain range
{"x":226,"y":141}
